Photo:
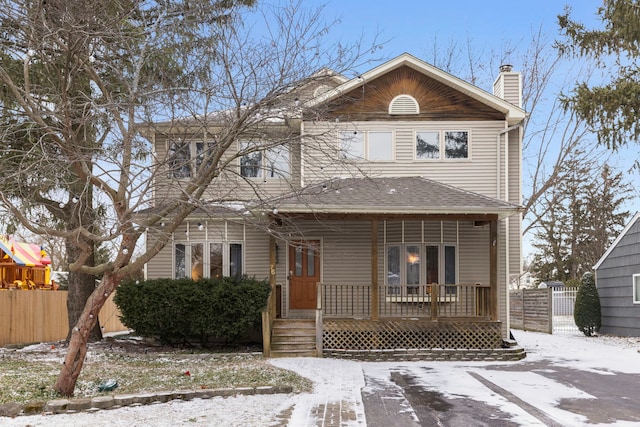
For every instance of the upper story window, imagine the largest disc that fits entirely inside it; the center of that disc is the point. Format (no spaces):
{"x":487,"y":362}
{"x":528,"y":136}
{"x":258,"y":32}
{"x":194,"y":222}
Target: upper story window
{"x":185,"y":157}
{"x":268,"y":163}
{"x":456,"y":145}
{"x":371,"y":145}
{"x":440,"y":145}
{"x":427,"y":145}
{"x":404,"y":104}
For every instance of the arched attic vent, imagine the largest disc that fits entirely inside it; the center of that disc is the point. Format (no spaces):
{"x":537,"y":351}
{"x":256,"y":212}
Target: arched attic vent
{"x":320,"y":90}
{"x":404,"y":104}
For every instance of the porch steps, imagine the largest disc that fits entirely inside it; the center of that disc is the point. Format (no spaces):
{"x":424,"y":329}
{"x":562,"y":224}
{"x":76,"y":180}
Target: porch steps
{"x":293,"y":338}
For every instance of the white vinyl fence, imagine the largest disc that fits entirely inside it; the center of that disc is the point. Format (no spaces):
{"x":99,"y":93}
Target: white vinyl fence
{"x":563,"y":302}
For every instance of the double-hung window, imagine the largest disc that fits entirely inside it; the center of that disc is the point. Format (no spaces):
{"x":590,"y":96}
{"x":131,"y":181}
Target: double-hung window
{"x":410,"y":265}
{"x":439,"y":145}
{"x":374,"y":146}
{"x":636,"y":288}
{"x":196,"y":260}
{"x":186,"y":157}
{"x":265,"y":163}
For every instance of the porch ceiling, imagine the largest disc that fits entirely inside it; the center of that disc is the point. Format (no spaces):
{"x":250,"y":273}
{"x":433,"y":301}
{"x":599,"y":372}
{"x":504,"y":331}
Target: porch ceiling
{"x":393,"y":197}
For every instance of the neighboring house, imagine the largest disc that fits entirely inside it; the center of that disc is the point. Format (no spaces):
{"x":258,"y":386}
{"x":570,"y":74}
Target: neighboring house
{"x":618,"y":283}
{"x":409,"y":218}
{"x":551,"y":284}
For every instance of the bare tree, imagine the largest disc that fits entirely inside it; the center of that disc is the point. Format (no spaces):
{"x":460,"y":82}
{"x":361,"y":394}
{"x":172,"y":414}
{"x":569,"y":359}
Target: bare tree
{"x":83,"y":83}
{"x":551,"y":134}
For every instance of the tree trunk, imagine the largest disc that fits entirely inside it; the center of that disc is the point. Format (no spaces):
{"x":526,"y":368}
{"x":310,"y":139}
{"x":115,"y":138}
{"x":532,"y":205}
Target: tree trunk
{"x":81,"y":286}
{"x":77,"y":351}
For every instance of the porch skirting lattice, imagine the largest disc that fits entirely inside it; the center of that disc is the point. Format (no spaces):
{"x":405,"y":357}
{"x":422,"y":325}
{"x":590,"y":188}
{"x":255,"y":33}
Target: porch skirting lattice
{"x":351,"y":334}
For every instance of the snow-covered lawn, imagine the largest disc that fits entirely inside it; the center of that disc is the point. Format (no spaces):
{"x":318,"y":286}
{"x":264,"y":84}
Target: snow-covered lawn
{"x":339,"y":383}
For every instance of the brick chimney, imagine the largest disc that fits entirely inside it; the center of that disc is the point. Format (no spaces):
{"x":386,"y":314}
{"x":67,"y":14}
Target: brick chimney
{"x":508,"y":85}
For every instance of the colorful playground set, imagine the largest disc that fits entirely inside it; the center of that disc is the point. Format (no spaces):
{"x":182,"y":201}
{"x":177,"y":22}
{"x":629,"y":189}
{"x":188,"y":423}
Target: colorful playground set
{"x":24,"y":266}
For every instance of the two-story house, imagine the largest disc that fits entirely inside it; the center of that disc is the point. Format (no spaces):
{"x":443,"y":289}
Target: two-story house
{"x":392,"y":219}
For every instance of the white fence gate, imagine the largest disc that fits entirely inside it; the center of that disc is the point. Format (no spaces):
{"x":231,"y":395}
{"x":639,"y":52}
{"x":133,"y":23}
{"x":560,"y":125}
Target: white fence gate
{"x":563,"y":302}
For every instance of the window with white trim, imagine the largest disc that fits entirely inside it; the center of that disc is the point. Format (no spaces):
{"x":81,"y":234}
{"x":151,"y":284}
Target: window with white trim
{"x":456,"y":144}
{"x":409,"y":265}
{"x":636,"y":288}
{"x":379,"y":146}
{"x":207,"y":259}
{"x":267,"y":163}
{"x":185,"y":157}
{"x":439,"y":145}
{"x":427,"y":145}
{"x":369,"y":145}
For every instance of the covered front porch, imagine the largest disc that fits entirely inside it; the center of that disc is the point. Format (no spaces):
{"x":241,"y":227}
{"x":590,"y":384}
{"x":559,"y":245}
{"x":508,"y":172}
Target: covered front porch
{"x":390,"y":275}
{"x":384,"y":314}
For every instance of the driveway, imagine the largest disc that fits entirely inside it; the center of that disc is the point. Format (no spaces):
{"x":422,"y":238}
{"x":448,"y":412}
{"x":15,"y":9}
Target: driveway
{"x":564,"y":381}
{"x":409,"y":398}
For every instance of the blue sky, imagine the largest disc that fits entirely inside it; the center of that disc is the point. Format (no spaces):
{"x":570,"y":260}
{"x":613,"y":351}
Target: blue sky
{"x":413,"y":25}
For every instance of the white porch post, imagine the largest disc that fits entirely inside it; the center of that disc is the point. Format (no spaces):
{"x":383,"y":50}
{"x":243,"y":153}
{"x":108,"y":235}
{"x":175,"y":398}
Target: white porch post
{"x":493,"y":268}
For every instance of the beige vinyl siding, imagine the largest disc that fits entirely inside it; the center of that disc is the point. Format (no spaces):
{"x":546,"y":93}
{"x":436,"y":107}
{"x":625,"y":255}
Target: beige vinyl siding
{"x":473,"y":254}
{"x":433,"y":231}
{"x":508,"y":87}
{"x":515,"y":164}
{"x":515,"y":196}
{"x":498,"y":87}
{"x":405,"y":145}
{"x":515,"y":250}
{"x":161,"y":265}
{"x":229,"y":185}
{"x":503,"y":292}
{"x":512,"y":88}
{"x":477,"y":173}
{"x":256,"y":256}
{"x":346,"y":246}
{"x":255,"y":246}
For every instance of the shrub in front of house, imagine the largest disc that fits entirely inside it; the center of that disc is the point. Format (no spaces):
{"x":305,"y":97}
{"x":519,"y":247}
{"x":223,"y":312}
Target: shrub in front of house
{"x":586,"y":312}
{"x":185,"y":311}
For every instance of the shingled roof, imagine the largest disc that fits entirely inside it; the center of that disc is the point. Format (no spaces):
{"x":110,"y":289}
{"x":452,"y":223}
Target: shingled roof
{"x":408,"y":195}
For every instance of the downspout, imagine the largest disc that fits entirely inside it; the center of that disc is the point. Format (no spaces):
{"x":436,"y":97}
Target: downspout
{"x":301,"y":145}
{"x":507,"y":258}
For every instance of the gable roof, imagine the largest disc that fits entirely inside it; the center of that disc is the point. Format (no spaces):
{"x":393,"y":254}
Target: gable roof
{"x":23,"y":254}
{"x":512,"y":113}
{"x":397,"y":196}
{"x":635,"y":218}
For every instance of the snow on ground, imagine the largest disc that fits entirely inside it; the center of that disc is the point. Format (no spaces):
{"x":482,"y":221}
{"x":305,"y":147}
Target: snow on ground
{"x":338,"y":386}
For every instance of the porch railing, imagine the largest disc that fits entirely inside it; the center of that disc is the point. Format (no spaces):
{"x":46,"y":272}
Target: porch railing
{"x":353,"y":300}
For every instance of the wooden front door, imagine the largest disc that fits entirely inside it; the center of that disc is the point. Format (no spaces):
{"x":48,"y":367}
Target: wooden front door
{"x":304,"y":273}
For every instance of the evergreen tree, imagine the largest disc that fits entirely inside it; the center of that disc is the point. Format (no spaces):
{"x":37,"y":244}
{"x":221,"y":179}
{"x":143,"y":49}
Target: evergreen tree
{"x":586,"y":312}
{"x":584,"y":214}
{"x":611,"y":108}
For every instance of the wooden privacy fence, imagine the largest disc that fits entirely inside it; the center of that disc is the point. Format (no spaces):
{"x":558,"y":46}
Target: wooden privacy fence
{"x":531,"y":309}
{"x":28,"y":317}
